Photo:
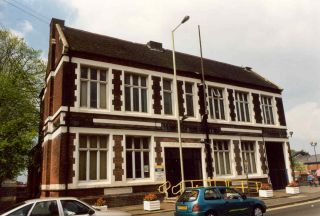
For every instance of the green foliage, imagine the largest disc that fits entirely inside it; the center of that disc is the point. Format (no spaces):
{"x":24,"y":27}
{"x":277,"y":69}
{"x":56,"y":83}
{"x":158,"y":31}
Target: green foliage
{"x":21,"y":75}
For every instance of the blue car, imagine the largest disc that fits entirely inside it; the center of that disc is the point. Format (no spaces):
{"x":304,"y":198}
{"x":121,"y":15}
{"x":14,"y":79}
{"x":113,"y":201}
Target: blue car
{"x":217,"y":201}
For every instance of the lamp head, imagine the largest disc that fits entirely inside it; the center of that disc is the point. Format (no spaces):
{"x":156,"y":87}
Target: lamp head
{"x":185,"y":19}
{"x":291,"y":133}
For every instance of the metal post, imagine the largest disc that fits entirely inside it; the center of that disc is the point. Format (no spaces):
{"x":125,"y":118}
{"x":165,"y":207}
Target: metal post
{"x":176,"y":101}
{"x":314,"y":144}
{"x":205,"y":115}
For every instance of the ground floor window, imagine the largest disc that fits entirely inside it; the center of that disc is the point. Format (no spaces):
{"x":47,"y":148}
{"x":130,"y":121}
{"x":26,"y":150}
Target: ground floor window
{"x":221,"y":150}
{"x":248,"y":156}
{"x":137,"y":157}
{"x":93,"y":152}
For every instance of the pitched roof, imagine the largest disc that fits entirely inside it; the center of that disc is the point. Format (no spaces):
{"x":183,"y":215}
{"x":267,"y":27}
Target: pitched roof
{"x":102,"y":45}
{"x":309,"y":159}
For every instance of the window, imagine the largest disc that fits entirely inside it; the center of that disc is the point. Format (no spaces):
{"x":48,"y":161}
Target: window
{"x":211,"y":194}
{"x":93,"y":151}
{"x":21,"y":211}
{"x":73,"y":207}
{"x":167,"y":96}
{"x":216,"y":103}
{"x":137,"y":157}
{"x":189,"y":98}
{"x":242,"y":105}
{"x":135,"y":92}
{"x":266,"y":103}
{"x":46,"y":208}
{"x":248,"y":156}
{"x":93,"y":88}
{"x":221,"y":157}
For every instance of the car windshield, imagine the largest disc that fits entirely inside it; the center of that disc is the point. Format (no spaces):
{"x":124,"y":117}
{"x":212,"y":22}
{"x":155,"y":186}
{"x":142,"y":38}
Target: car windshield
{"x":12,"y":207}
{"x":189,"y":196}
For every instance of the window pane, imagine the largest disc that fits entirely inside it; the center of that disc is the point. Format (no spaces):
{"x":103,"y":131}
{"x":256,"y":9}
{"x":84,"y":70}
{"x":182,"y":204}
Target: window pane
{"x":103,"y":95}
{"x":103,"y":75}
{"x":93,"y":94}
{"x":83,"y":94}
{"x":136,"y":99}
{"x":82,"y":165}
{"x":127,"y":79}
{"x":83,"y":141}
{"x":216,"y":158}
{"x":128,"y":142}
{"x":129,"y":164}
{"x":135,"y":80}
{"x":222,"y":109}
{"x":143,"y":81}
{"x":167,"y":103}
{"x":103,"y":164}
{"x":166,"y":84}
{"x":211,"y":108}
{"x":47,"y":208}
{"x":138,"y":164}
{"x":189,"y":105}
{"x":103,"y":142}
{"x":20,"y":212}
{"x":73,"y":207}
{"x":136,"y":143}
{"x":93,"y":74}
{"x":146,"y":167}
{"x":253,"y":163}
{"x":188,"y":88}
{"x":247,"y":112}
{"x":128,"y":99}
{"x":84,"y":72}
{"x":143,"y":100}
{"x":221,"y":163}
{"x":93,"y":165}
{"x":145,"y":143}
{"x":216,"y":109}
{"x":93,"y":142}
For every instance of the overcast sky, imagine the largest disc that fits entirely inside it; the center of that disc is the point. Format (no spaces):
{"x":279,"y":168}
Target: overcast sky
{"x":278,"y":39}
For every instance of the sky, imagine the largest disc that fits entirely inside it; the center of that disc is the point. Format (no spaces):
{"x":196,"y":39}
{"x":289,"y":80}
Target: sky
{"x":278,"y":39}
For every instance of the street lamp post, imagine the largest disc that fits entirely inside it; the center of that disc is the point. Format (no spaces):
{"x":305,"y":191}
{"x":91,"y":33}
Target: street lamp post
{"x":314,"y":144}
{"x":246,"y":169}
{"x":185,"y":19}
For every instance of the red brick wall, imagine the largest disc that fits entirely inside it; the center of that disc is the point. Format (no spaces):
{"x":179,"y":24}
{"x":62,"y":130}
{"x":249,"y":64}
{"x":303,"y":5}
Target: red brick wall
{"x":57,"y":91}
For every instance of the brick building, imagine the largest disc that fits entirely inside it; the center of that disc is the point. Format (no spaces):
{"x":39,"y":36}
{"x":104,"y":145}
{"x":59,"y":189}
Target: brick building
{"x":109,"y":127}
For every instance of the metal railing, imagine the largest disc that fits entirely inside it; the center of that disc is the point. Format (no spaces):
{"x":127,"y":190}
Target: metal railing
{"x":164,"y":188}
{"x":243,"y":185}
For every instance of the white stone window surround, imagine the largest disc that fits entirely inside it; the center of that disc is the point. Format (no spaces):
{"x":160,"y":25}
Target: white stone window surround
{"x":240,"y":104}
{"x":274,"y":110}
{"x":98,"y":82}
{"x":253,"y":152}
{"x":172,"y":92}
{"x":160,"y":74}
{"x":225,"y":104}
{"x":224,"y":153}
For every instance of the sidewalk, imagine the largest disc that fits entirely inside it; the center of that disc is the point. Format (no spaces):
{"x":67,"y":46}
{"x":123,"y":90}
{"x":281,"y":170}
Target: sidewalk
{"x":280,"y":199}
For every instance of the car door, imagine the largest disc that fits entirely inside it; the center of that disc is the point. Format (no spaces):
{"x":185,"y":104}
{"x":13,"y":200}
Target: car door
{"x":212,"y":200}
{"x":74,"y":207}
{"x":237,"y":206}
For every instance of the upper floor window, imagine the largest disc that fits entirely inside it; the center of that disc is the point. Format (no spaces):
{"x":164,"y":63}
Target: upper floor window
{"x":93,"y":151}
{"x":93,"y":88}
{"x":248,"y":156}
{"x":222,"y":157}
{"x":267,"y":110}
{"x":216,"y":103}
{"x":189,"y":93}
{"x":167,"y":96}
{"x":135,"y":92}
{"x":137,"y":157}
{"x":242,"y":105}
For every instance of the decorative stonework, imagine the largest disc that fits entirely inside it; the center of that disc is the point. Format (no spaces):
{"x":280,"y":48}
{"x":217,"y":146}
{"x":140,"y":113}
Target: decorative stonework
{"x":290,"y":159}
{"x":158,"y":150}
{"x":156,"y":96}
{"x":237,"y":157}
{"x":256,"y":108}
{"x":263,"y":159}
{"x":116,"y":81}
{"x":118,"y":159}
{"x":231,"y":105}
{"x":201,"y":102}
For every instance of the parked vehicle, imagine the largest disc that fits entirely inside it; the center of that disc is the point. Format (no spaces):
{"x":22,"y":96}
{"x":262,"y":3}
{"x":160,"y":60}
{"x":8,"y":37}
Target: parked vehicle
{"x":65,"y":206}
{"x":217,"y":201}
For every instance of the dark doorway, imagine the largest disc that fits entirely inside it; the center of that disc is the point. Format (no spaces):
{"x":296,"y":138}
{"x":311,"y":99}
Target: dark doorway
{"x":191,"y":162}
{"x":276,"y":164}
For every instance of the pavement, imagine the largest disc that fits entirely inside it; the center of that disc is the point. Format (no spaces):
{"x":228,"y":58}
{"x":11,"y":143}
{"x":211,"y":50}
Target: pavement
{"x":279,"y":199}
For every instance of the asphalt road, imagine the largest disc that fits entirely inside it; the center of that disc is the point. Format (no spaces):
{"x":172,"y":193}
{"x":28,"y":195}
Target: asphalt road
{"x":305,"y":209}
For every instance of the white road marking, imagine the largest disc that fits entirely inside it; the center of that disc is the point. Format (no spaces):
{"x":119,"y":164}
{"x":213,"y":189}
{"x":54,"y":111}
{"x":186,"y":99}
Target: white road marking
{"x":294,"y":205}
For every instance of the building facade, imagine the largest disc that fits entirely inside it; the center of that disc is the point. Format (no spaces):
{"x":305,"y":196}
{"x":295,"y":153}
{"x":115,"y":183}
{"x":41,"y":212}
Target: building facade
{"x":109,"y":124}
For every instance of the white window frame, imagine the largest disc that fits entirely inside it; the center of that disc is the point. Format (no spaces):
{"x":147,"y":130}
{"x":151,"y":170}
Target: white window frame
{"x":220,"y":97}
{"x":98,"y":149}
{"x":172,"y":96}
{"x":266,"y":109}
{"x":224,"y":151}
{"x":240,"y":103}
{"x":132,"y":150}
{"x":98,"y":81}
{"x":252,"y":155}
{"x":193,"y":99}
{"x":139,"y":87}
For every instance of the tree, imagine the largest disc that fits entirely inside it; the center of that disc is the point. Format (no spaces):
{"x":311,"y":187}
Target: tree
{"x":21,"y":75}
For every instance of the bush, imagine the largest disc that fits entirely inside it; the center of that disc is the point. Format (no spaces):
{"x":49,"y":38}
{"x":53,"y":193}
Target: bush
{"x":293,"y":184}
{"x":266,"y":186}
{"x":150,"y":197}
{"x":100,"y":202}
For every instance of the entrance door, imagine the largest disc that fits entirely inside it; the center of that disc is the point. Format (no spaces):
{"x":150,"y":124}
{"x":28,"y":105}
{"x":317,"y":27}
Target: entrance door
{"x":191,"y":162}
{"x":276,"y":164}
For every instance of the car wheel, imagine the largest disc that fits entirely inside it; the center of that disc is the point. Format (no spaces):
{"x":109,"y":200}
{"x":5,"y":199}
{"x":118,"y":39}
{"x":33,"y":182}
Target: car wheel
{"x":257,"y":211}
{"x":210,"y":213}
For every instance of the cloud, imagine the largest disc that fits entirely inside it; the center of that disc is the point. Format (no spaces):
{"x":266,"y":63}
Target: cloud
{"x":24,"y":28}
